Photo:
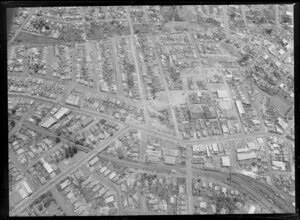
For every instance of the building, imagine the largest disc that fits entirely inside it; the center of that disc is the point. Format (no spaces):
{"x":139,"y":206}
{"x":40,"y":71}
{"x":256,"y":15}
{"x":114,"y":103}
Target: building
{"x":282,"y":123}
{"x":64,"y":184}
{"x":279,"y":164}
{"x":170,"y":160}
{"x":222,"y":93}
{"x":63,"y":111}
{"x":242,"y":150}
{"x":196,"y":111}
{"x":47,"y":166}
{"x":240,"y":107}
{"x":48,"y":122}
{"x":93,"y":161}
{"x":173,"y":153}
{"x":87,"y":121}
{"x":225,"y":161}
{"x":252,"y":209}
{"x":215,"y":147}
{"x":73,"y":100}
{"x":246,"y":156}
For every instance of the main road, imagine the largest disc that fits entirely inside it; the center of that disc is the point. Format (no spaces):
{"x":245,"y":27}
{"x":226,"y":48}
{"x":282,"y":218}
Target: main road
{"x":150,"y":131}
{"x":140,"y":83}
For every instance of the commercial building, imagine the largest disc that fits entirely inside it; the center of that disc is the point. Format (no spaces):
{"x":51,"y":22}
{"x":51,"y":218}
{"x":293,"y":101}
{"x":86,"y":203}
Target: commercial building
{"x":48,"y":122}
{"x":225,"y":161}
{"x":246,"y":156}
{"x":73,"y":100}
{"x":63,"y":111}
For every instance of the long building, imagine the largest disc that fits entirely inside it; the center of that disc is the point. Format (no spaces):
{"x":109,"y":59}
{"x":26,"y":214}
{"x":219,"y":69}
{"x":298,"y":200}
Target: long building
{"x":246,"y":156}
{"x":240,"y":107}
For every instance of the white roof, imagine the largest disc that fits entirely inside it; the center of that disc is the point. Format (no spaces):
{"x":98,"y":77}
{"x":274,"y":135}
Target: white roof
{"x":170,"y":160}
{"x":93,"y":161}
{"x":246,"y":156}
{"x":199,"y":147}
{"x":279,"y":164}
{"x":215,"y":146}
{"x":112,"y":175}
{"x":109,"y":199}
{"x":240,"y":106}
{"x":226,"y":161}
{"x":243,"y":149}
{"x":61,"y":112}
{"x":252,"y":209}
{"x":222,"y":93}
{"x":48,"y":167}
{"x":64,"y":184}
{"x":252,"y":145}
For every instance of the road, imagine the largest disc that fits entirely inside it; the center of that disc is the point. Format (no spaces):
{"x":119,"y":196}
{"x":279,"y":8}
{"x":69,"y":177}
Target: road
{"x":163,"y":78}
{"x":226,"y":21}
{"x":140,"y":83}
{"x":23,"y":204}
{"x":153,"y":132}
{"x":21,"y":27}
{"x":277,"y":15}
{"x":244,"y":15}
{"x":189,"y":178}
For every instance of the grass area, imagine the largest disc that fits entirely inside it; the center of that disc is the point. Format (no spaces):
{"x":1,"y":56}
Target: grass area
{"x":25,"y":37}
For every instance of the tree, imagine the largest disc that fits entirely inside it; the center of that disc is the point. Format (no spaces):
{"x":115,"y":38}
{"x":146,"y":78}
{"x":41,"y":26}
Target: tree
{"x":38,"y":121}
{"x":47,"y":201}
{"x":286,"y":19}
{"x":57,"y":140}
{"x":269,"y":31}
{"x":13,"y":123}
{"x":13,"y":111}
{"x":75,"y":150}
